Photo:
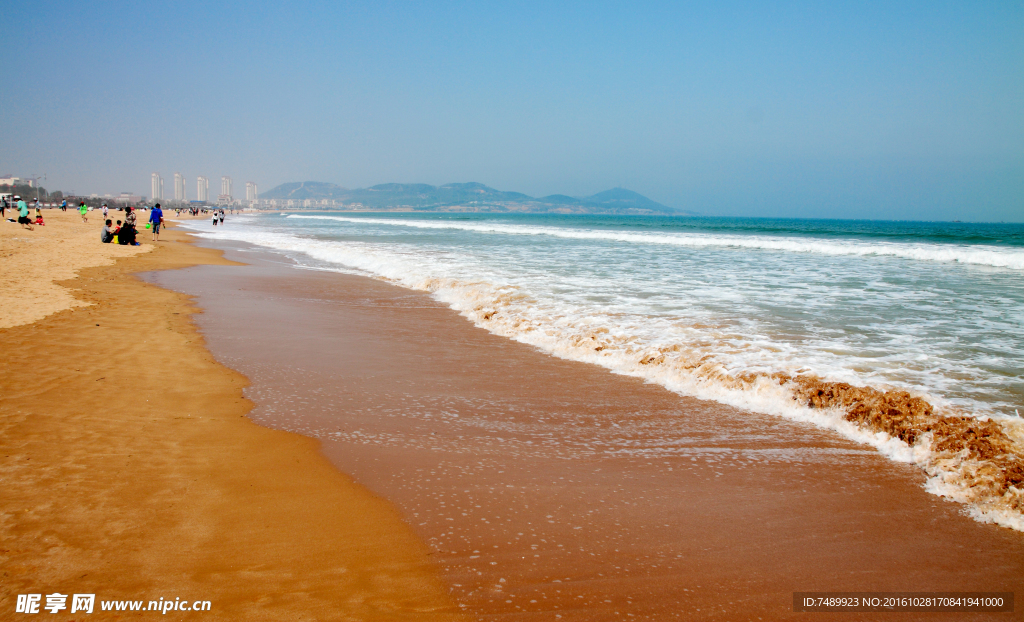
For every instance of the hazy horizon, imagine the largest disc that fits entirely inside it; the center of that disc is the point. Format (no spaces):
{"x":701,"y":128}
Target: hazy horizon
{"x":906,"y":111}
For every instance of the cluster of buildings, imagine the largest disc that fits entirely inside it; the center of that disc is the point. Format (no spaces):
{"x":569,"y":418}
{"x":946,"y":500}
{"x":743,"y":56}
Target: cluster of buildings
{"x":306,"y":204}
{"x":203,"y":191}
{"x":11,"y":180}
{"x":202,"y":195}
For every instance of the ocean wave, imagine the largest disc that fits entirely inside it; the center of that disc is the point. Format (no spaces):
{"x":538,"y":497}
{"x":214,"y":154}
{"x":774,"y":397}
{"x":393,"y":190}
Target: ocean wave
{"x":976,"y":461}
{"x":982,"y":255}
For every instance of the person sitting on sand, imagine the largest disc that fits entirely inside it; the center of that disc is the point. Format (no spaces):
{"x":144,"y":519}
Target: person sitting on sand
{"x":23,"y":214}
{"x":116,"y":231}
{"x":39,"y":219}
{"x":107,"y":235}
{"x":128,"y":230}
{"x":83,"y":209}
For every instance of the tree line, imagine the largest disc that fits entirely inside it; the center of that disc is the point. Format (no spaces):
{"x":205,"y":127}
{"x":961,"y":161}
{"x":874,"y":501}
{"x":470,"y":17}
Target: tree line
{"x":29,"y":192}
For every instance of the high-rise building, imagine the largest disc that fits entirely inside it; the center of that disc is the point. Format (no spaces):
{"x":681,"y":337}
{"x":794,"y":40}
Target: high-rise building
{"x":179,"y":187}
{"x":250,"y":191}
{"x":224,"y":198}
{"x":202,"y":189}
{"x":156,"y":186}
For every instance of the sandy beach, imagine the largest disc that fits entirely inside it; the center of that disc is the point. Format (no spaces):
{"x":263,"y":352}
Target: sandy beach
{"x":131,"y":472}
{"x":404,"y":464}
{"x":515,"y":467}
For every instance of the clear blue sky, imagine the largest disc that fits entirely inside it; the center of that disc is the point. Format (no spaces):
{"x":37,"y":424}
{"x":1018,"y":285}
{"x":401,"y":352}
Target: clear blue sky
{"x":821,"y":109}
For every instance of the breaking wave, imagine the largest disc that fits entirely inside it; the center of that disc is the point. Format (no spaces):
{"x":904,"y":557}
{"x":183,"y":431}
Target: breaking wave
{"x":975,"y":254}
{"x":975,"y":460}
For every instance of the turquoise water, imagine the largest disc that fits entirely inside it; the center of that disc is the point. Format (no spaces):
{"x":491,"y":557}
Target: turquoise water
{"x":712,"y":308}
{"x":936,"y":308}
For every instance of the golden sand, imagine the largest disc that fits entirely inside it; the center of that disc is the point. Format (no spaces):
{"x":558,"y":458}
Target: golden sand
{"x":130,"y":471}
{"x":34,"y":260}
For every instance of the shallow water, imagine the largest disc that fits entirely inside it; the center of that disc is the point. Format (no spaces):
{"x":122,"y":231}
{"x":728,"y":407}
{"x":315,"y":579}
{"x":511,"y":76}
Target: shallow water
{"x":693,"y":304}
{"x":549,"y":489}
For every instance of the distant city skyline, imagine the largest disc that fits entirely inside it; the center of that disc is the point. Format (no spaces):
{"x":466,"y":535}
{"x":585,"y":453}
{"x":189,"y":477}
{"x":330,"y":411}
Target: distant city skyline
{"x":899,"y":110}
{"x":202,"y":188}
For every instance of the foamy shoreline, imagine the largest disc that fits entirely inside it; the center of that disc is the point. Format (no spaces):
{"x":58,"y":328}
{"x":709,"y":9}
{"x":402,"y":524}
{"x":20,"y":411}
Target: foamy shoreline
{"x":545,"y":486}
{"x":986,"y":476}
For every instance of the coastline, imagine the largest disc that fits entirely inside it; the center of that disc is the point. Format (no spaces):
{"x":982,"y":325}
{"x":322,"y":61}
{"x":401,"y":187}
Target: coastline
{"x":515,"y":466}
{"x":131,"y":471}
{"x":939,"y":406}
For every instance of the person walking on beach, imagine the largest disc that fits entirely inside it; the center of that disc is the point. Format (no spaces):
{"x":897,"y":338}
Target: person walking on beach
{"x":3,"y":207}
{"x":214,"y":218}
{"x":156,"y":218}
{"x":104,"y":211}
{"x":83,"y":210}
{"x":64,"y":205}
{"x":23,"y":214}
{"x":222,"y":215}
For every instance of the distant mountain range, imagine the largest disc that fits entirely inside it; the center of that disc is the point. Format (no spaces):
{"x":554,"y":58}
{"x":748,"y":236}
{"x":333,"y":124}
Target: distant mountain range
{"x":467,"y":197}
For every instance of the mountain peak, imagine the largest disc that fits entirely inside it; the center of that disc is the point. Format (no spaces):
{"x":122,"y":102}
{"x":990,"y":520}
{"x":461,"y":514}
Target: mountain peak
{"x":621,"y":197}
{"x":469,"y":196}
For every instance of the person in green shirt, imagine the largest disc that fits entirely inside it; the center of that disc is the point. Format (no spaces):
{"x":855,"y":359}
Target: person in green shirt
{"x":23,"y":214}
{"x":83,"y":210}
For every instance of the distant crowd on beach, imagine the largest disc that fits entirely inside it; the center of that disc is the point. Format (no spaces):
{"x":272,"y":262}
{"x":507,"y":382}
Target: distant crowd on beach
{"x":218,"y":213}
{"x":122,"y":232}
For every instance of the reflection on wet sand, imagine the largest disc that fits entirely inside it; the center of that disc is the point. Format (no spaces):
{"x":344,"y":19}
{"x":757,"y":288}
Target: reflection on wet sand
{"x":550,"y":489}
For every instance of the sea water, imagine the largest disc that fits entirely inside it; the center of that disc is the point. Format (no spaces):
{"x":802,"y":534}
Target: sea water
{"x":694,"y":304}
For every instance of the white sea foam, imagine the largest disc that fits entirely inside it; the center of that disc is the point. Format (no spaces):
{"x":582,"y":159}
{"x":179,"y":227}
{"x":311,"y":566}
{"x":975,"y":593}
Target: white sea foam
{"x":699,"y":359}
{"x":982,"y":255}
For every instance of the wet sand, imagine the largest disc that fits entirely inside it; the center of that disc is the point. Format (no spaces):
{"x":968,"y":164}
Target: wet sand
{"x":129,"y":469}
{"x":549,"y":489}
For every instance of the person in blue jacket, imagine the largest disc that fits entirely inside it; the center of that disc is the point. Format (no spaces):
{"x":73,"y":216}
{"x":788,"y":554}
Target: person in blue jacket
{"x":156,"y":219}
